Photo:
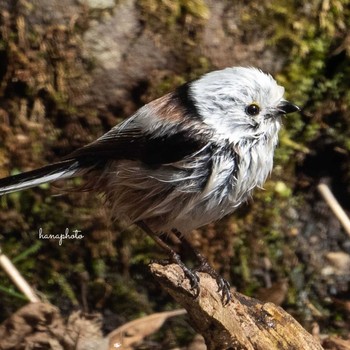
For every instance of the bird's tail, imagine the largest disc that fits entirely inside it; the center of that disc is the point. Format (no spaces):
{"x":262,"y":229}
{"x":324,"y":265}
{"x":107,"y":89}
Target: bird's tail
{"x":60,"y":170}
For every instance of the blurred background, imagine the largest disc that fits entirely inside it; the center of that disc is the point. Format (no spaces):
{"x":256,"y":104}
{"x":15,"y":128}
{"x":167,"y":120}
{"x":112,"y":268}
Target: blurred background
{"x":72,"y":69}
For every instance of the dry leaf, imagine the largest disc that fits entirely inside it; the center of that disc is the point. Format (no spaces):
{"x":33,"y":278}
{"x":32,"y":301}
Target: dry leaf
{"x":335,"y":343}
{"x":135,"y":331}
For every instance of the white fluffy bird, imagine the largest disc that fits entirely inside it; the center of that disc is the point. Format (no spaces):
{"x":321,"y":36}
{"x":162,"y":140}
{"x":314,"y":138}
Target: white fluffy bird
{"x":183,"y":160}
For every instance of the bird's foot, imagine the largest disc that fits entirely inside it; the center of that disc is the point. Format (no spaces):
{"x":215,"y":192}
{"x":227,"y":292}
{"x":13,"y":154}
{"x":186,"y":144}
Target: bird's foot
{"x":223,"y":285}
{"x":191,"y":275}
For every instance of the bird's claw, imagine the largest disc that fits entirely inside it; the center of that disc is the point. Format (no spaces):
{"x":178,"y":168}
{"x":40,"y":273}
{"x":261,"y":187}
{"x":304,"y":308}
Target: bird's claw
{"x":191,"y":275}
{"x":223,"y":285}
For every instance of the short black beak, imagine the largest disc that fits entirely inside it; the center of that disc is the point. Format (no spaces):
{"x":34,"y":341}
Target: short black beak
{"x":286,"y":107}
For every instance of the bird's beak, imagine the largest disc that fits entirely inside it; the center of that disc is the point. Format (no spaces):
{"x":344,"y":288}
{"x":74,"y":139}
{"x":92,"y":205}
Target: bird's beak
{"x":286,"y":107}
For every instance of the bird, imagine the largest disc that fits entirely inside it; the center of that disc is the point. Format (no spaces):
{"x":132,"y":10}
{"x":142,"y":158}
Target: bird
{"x":182,"y":161}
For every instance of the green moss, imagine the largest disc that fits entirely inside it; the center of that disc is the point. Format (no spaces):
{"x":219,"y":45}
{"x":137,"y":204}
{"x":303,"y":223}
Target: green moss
{"x":65,"y":287}
{"x":196,"y":8}
{"x":310,"y":36}
{"x":283,"y":189}
{"x":12,"y":292}
{"x":169,"y":12}
{"x":32,"y":250}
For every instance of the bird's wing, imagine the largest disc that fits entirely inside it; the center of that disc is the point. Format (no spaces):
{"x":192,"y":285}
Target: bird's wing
{"x":155,"y":135}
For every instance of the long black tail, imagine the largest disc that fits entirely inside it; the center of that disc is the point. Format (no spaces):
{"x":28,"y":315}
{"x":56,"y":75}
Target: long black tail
{"x":61,"y":170}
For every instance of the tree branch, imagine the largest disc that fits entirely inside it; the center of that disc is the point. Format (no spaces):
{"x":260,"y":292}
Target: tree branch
{"x":245,"y":323}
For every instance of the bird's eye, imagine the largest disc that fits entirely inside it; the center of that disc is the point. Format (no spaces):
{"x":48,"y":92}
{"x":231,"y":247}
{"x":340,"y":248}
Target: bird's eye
{"x":253,"y":109}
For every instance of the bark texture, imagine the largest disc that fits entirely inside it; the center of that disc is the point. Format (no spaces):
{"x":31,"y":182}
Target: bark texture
{"x":245,"y":323}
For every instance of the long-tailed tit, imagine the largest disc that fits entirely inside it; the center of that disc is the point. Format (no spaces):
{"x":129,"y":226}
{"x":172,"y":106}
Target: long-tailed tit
{"x":183,"y":160}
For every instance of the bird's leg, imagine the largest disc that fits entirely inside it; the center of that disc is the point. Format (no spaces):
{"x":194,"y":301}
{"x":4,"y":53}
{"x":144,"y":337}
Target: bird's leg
{"x":173,"y":256}
{"x":204,"y":266}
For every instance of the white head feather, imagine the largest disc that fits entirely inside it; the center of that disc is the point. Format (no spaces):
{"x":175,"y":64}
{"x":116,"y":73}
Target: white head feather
{"x":223,"y":96}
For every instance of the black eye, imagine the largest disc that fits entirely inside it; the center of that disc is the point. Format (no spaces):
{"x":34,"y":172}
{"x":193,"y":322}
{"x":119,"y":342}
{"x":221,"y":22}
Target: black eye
{"x":253,"y":109}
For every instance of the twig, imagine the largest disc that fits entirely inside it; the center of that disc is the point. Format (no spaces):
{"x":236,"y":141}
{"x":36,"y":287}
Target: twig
{"x":17,"y":278}
{"x":335,"y":206}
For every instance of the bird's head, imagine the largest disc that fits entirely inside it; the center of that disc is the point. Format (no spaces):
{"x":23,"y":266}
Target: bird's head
{"x":241,"y":103}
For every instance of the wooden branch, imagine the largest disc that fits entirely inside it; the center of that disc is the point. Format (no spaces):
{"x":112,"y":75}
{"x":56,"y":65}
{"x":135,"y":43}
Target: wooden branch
{"x":245,"y":323}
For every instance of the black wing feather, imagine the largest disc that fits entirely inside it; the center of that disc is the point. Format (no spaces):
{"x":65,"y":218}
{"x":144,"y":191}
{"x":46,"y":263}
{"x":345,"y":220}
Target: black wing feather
{"x":136,"y":145}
